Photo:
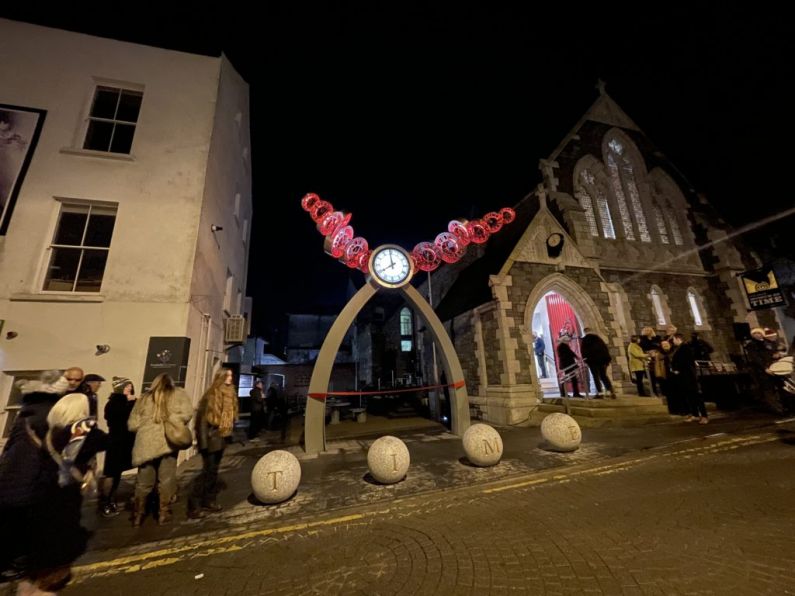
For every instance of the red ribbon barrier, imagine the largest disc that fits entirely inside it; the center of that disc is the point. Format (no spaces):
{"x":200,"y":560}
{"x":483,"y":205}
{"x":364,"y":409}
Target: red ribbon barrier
{"x":323,"y":396}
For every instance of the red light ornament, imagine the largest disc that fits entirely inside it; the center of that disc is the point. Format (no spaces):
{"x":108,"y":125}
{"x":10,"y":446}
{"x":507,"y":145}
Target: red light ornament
{"x":478,"y":233}
{"x":309,"y":201}
{"x":425,"y":256}
{"x":448,"y":247}
{"x":459,"y":229}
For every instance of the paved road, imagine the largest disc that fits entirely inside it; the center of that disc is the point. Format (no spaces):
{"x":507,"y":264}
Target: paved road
{"x":713,"y":517}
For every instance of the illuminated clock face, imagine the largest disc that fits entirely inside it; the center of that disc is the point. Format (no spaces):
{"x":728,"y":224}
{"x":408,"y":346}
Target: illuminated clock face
{"x":554,"y":240}
{"x":391,"y":266}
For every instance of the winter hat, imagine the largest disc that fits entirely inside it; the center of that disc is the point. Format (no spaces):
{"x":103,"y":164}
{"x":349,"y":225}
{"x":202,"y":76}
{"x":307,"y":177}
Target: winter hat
{"x":770,"y":333}
{"x":68,"y":410}
{"x":93,"y":377}
{"x":758,"y":330}
{"x":44,"y":384}
{"x":119,"y":383}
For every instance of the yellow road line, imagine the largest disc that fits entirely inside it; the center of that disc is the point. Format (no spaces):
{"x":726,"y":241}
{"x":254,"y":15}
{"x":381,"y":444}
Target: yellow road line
{"x":167,"y":552}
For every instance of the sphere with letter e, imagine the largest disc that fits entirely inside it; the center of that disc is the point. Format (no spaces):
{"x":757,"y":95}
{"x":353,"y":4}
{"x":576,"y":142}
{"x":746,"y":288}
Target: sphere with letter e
{"x":391,"y":266}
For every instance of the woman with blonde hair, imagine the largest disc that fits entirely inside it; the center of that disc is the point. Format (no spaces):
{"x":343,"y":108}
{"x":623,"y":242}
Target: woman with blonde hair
{"x":215,"y":422}
{"x":155,"y":457}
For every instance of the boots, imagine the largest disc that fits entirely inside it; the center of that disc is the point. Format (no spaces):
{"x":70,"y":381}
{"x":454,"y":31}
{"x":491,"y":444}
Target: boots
{"x":165,"y":512}
{"x":139,"y":508}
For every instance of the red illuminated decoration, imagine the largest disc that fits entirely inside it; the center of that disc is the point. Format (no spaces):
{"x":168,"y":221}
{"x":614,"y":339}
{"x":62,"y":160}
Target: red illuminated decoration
{"x":425,"y":256}
{"x":478,"y":233}
{"x":448,"y":247}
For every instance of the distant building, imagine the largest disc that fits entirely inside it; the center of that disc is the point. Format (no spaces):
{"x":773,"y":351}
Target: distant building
{"x":130,"y":227}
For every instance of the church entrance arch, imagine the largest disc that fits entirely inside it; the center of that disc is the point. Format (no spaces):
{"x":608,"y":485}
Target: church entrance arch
{"x":559,"y":307}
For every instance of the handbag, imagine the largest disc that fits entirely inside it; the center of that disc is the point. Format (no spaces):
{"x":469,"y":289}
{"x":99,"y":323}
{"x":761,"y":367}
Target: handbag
{"x":178,"y":434}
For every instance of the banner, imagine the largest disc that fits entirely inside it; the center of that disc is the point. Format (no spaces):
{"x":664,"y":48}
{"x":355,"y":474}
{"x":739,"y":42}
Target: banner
{"x":762,"y":289}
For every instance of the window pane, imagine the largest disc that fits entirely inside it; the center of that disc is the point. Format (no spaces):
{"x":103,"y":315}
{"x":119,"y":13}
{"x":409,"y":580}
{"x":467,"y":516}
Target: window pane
{"x":585,"y":202}
{"x":62,"y":270}
{"x":122,"y":138}
{"x":98,"y":135}
{"x":71,"y":226}
{"x":105,"y":101}
{"x":658,"y":309}
{"x":91,"y":271}
{"x":604,"y":215}
{"x":658,"y":217}
{"x":691,"y":298}
{"x":623,"y":210}
{"x":129,"y":106}
{"x":405,"y":345}
{"x":637,"y":207}
{"x":405,"y":322}
{"x":100,"y":228}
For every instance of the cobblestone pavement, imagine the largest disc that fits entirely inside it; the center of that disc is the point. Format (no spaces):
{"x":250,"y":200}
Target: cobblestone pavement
{"x":716,"y":517}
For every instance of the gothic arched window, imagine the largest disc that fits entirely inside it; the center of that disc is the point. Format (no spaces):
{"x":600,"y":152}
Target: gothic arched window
{"x":587,"y":192}
{"x":406,"y":342}
{"x":696,"y":307}
{"x":659,"y":306}
{"x":622,"y":179}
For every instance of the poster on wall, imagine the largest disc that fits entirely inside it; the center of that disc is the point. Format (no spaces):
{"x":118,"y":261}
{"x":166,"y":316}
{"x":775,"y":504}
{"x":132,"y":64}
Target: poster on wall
{"x":19,"y":132}
{"x":762,"y":288}
{"x":167,"y":355}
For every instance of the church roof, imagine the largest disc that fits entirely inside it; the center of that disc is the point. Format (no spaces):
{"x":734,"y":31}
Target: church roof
{"x":471,"y":287}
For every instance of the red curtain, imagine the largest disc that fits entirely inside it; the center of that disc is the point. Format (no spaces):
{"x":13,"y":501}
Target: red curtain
{"x":563,"y":320}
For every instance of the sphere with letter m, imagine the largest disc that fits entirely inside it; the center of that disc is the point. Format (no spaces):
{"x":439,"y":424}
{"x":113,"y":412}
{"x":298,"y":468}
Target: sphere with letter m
{"x":483,"y":445}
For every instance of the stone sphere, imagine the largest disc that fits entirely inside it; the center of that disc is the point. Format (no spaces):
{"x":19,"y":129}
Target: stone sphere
{"x":275,"y":477}
{"x":561,"y":431}
{"x":483,"y":445}
{"x":388,"y":460}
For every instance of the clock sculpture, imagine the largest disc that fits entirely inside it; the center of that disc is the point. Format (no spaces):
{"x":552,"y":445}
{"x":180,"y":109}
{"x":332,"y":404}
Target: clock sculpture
{"x":389,"y":267}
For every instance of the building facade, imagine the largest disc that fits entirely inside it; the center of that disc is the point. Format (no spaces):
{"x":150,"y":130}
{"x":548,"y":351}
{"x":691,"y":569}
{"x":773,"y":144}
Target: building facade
{"x":125,"y":247}
{"x":614,"y":238}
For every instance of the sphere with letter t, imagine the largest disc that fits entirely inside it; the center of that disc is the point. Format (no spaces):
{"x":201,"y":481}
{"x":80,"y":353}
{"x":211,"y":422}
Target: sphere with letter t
{"x":276,"y":477}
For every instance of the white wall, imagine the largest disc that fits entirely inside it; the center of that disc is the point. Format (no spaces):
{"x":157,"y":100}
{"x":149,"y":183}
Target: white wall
{"x":165,"y":267}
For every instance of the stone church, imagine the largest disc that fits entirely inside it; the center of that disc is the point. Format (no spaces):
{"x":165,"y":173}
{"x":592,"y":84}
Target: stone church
{"x":613,"y":238}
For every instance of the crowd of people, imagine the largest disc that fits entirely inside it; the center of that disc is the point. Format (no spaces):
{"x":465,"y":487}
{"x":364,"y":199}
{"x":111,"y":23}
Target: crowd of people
{"x":49,"y":463}
{"x":670,"y":363}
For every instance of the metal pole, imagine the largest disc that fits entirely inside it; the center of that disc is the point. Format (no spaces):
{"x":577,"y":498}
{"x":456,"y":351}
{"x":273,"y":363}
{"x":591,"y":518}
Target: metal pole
{"x":435,"y":394}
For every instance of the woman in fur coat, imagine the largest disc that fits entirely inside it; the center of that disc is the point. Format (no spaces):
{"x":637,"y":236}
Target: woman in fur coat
{"x":215,"y":421}
{"x":155,"y":457}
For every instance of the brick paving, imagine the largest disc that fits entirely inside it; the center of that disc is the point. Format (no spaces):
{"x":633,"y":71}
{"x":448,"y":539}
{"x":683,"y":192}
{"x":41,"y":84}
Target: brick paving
{"x":709,"y":517}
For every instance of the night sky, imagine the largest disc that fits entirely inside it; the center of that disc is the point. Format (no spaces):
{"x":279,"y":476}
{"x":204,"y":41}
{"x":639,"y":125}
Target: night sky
{"x":410,"y":115}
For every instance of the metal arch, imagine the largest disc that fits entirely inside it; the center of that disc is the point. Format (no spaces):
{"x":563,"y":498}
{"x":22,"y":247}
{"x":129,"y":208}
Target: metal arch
{"x":314,"y":420}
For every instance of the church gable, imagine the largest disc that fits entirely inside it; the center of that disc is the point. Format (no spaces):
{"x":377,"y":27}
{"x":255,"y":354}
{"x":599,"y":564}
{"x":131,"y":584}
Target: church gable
{"x":546,"y":241}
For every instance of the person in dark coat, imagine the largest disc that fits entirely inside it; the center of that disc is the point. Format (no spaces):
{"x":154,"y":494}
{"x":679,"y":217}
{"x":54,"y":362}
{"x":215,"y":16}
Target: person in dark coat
{"x":684,"y":383}
{"x":118,"y":457}
{"x":257,"y":410}
{"x":567,"y":360}
{"x":597,"y":356}
{"x":701,"y":349}
{"x":540,"y":351}
{"x":90,"y":386}
{"x":42,"y":472}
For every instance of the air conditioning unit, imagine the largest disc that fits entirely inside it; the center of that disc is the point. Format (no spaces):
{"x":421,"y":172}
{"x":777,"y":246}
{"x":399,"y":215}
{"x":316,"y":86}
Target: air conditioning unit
{"x":235,"y":329}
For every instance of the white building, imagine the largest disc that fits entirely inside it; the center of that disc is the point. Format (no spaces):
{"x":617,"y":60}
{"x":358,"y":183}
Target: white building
{"x":132,"y":219}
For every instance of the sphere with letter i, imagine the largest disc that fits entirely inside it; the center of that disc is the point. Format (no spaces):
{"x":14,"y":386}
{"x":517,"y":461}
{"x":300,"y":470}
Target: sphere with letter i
{"x":483,"y":445}
{"x":561,"y":431}
{"x":388,"y":460}
{"x":276,"y":476}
